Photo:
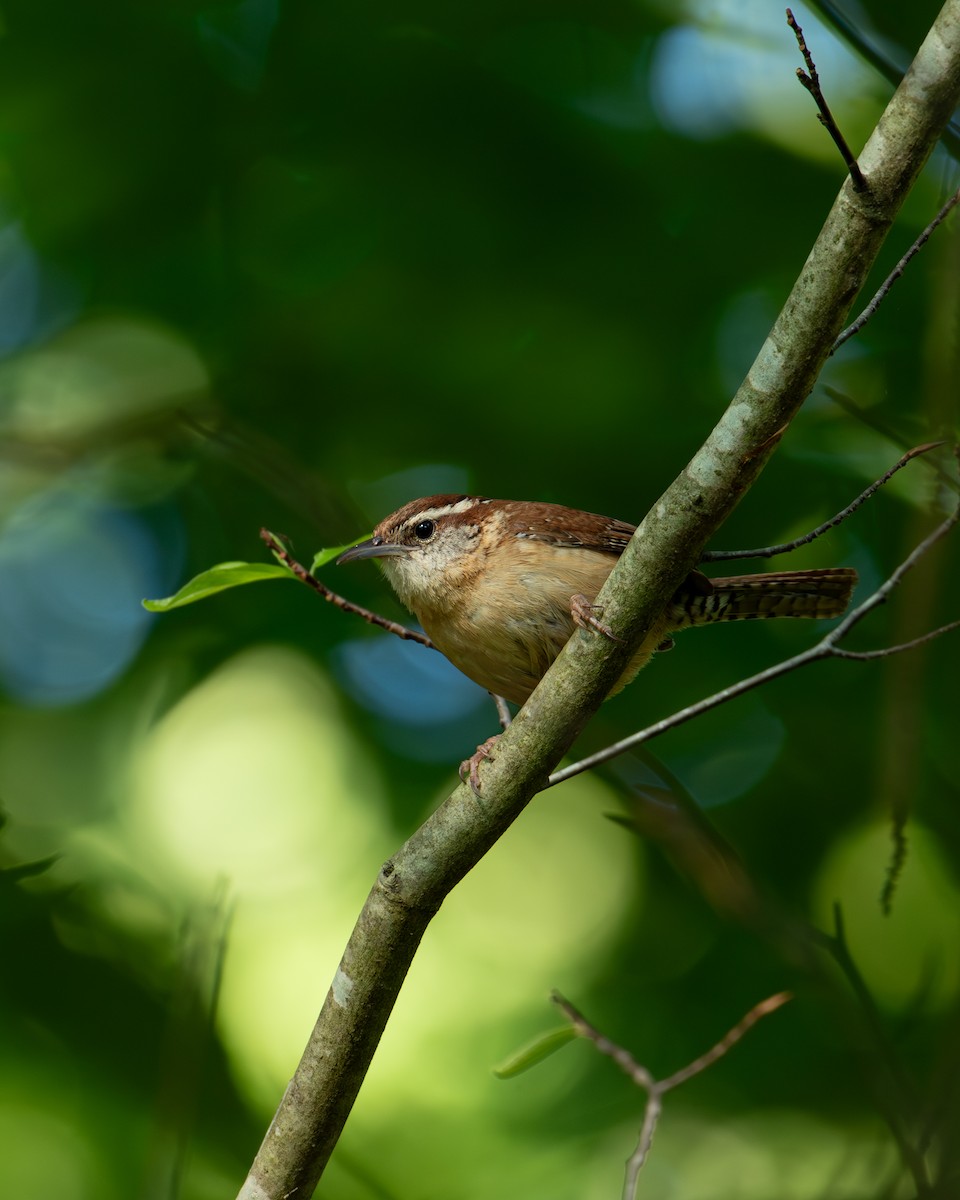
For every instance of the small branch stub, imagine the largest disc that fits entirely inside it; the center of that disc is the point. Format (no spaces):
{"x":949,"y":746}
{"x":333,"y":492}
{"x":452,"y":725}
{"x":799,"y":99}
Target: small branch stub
{"x":811,"y":82}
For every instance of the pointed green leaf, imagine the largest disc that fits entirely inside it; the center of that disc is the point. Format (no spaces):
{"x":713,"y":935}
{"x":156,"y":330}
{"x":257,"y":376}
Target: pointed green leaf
{"x":535,"y":1052}
{"x":218,"y":579}
{"x":322,"y":557}
{"x":27,"y":870}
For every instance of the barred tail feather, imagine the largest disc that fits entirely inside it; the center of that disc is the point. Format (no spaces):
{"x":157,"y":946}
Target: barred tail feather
{"x":701,"y":601}
{"x":817,"y":593}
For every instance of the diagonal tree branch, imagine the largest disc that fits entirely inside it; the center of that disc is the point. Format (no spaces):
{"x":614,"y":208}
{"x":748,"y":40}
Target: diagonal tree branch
{"x":412,"y":885}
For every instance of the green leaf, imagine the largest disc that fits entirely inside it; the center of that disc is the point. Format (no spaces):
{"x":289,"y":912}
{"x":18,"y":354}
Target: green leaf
{"x":28,"y":870}
{"x":322,"y":557}
{"x":218,"y":579}
{"x":535,"y":1052}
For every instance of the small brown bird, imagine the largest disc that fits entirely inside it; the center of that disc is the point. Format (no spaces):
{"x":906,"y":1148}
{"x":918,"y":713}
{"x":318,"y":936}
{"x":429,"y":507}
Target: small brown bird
{"x":500,"y":585}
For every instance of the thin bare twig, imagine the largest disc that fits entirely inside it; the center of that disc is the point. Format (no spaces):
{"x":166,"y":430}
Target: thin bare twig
{"x":895,"y":274}
{"x":763,"y":1009}
{"x":886,"y":651}
{"x":620,"y":1055}
{"x":839,"y":632}
{"x":656,"y":1089}
{"x":826,"y":648}
{"x":887,"y":431}
{"x":811,"y":82}
{"x":889,"y":61}
{"x":301,"y":572}
{"x":401,"y":631}
{"x":786,"y":547}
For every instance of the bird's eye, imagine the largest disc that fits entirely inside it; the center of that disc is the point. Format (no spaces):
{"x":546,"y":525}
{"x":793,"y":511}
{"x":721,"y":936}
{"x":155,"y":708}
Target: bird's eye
{"x":424,"y":530}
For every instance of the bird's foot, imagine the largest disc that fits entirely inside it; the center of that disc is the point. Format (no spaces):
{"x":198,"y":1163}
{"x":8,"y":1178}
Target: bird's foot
{"x":470,"y":767}
{"x":582,"y":612}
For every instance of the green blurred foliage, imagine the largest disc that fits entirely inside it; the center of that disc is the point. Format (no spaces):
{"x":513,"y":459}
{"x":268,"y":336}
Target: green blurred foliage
{"x":285,"y":264}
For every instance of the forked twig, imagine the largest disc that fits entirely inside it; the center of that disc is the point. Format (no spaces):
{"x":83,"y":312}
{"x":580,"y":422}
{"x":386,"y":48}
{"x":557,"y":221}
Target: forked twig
{"x":657,"y":1089}
{"x":811,"y":82}
{"x":785,"y":547}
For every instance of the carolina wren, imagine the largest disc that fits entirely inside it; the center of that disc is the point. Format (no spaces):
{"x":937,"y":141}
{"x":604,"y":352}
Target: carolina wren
{"x":499,"y":585}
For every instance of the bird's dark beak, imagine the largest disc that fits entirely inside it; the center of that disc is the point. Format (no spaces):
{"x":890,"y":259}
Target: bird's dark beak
{"x":374,"y":547}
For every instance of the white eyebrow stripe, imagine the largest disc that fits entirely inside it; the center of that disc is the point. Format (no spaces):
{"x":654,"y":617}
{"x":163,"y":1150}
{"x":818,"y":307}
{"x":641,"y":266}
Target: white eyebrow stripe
{"x":445,"y":510}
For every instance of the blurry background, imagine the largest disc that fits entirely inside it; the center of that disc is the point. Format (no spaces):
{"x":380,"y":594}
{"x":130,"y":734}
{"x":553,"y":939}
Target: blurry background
{"x":280,"y":263}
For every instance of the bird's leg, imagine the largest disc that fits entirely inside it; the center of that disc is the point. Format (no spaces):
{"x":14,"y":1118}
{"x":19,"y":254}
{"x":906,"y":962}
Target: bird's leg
{"x":503,"y":712}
